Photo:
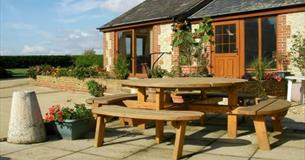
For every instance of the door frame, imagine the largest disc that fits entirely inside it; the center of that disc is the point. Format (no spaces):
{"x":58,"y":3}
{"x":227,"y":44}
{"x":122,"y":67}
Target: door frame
{"x":133,"y":52}
{"x":239,"y":46}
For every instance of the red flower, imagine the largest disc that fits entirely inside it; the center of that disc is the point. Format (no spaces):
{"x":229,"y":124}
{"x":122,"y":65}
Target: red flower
{"x":60,"y":113}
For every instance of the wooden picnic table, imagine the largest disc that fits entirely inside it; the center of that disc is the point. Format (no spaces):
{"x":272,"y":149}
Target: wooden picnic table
{"x":230,"y":85}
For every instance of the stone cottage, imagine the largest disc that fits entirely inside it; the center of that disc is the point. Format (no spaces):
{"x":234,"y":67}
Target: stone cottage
{"x":245,"y":30}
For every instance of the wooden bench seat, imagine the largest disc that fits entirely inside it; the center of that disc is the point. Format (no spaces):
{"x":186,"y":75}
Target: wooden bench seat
{"x":178,"y":118}
{"x":111,"y":99}
{"x":276,"y":108}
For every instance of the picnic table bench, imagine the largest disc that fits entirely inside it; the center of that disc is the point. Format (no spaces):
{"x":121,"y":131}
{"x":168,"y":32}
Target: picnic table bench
{"x":178,"y":118}
{"x":111,"y":99}
{"x":276,"y":108}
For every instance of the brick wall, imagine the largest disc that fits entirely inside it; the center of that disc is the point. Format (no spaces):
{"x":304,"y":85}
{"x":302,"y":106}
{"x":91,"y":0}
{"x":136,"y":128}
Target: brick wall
{"x":73,"y":84}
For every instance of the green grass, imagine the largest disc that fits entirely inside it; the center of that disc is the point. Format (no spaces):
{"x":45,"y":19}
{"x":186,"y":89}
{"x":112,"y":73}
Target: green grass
{"x":18,"y":72}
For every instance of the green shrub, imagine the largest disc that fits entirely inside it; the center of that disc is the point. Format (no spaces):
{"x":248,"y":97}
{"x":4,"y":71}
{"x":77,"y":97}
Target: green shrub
{"x":79,"y":112}
{"x":28,"y":61}
{"x":121,"y":70}
{"x":32,"y":72}
{"x":89,"y":58}
{"x":95,"y":89}
{"x":298,"y":52}
{"x":157,"y":72}
{"x":84,"y":72}
{"x":260,"y":68}
{"x":5,"y":73}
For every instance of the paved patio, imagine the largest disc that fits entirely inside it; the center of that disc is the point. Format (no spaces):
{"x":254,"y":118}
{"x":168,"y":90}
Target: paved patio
{"x":208,"y":142}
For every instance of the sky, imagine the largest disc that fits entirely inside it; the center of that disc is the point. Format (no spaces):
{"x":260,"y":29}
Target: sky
{"x":56,"y":27}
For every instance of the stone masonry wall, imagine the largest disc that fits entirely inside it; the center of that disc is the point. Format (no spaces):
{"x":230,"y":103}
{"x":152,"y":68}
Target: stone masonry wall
{"x":74,"y":84}
{"x":108,"y":50}
{"x":295,"y":23}
{"x":164,"y":43}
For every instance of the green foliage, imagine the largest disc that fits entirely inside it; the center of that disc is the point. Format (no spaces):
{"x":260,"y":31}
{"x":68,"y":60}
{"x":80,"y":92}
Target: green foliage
{"x":121,"y":70}
{"x":18,"y":72}
{"x":191,"y":45}
{"x":260,"y":68}
{"x":175,"y":72}
{"x":298,"y":52}
{"x":84,"y":72}
{"x":28,"y":61}
{"x":79,"y":112}
{"x":95,"y":89}
{"x":32,"y":72}
{"x":88,"y":59}
{"x":5,"y":73}
{"x":158,"y":72}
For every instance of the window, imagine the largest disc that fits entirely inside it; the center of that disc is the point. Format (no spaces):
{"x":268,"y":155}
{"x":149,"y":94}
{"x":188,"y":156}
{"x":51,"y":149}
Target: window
{"x":225,"y":38}
{"x":260,"y":40}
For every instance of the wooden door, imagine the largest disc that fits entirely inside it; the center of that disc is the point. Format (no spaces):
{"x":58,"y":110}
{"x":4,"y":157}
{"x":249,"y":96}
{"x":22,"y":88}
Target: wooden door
{"x":225,"y":55}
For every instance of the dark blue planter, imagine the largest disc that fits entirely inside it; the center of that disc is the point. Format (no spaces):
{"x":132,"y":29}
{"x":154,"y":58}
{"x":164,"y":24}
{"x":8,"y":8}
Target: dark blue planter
{"x":73,"y":129}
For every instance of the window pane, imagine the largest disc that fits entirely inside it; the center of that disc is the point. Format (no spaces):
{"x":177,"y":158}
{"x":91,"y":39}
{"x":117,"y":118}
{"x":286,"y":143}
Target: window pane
{"x":251,"y":41}
{"x":218,"y":39}
{"x":218,"y":30}
{"x":225,"y":48}
{"x":269,"y":39}
{"x":143,"y":59}
{"x":125,"y":46}
{"x":218,"y":48}
{"x":232,"y":48}
{"x":226,"y":38}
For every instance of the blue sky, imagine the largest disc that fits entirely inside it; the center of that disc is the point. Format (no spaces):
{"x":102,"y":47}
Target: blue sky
{"x":35,"y":27}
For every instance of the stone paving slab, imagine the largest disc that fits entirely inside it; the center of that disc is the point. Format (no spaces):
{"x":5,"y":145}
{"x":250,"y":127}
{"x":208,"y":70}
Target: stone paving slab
{"x":117,"y":151}
{"x":206,"y":156}
{"x":6,"y":148}
{"x":83,"y":156}
{"x":155,"y":154}
{"x":282,"y":153}
{"x":37,"y":153}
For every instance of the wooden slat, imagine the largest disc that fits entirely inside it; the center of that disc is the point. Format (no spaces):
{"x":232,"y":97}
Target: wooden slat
{"x":146,"y":105}
{"x":279,"y":105}
{"x":118,"y":111}
{"x":252,"y":110}
{"x":184,"y":83}
{"x":209,"y":108}
{"x":112,"y":98}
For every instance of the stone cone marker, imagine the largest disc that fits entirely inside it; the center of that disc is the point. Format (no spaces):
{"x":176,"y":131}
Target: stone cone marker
{"x":26,"y":124}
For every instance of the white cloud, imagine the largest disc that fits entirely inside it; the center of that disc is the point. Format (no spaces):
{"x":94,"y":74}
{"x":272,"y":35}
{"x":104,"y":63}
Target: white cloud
{"x":19,"y":26}
{"x":80,"y":6}
{"x":27,"y":49}
{"x":79,"y":18}
{"x":119,"y":5}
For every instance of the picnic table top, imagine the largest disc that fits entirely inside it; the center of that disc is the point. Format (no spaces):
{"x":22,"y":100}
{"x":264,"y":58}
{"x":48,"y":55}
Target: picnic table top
{"x":184,"y":82}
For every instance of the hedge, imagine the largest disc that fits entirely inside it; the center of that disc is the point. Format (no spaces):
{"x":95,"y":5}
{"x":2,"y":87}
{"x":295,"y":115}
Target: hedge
{"x":27,"y":61}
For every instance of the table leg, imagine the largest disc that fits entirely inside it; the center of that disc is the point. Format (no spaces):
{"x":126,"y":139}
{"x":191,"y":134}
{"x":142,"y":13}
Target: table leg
{"x":179,"y":140}
{"x":302,"y":101}
{"x":99,"y":131}
{"x":232,"y":119}
{"x":289,"y":88}
{"x":159,"y":131}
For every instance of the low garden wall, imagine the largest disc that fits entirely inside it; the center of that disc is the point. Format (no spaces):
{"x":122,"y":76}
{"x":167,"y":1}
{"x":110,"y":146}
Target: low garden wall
{"x":74,"y":84}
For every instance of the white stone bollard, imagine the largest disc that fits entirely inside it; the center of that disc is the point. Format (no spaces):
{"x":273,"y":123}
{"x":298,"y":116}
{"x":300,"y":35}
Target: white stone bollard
{"x":26,"y":124}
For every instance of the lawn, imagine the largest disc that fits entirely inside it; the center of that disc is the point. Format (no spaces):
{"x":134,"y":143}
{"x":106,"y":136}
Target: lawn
{"x":18,"y":72}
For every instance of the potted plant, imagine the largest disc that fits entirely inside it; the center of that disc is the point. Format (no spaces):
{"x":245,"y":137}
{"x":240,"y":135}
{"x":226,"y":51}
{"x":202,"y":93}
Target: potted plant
{"x":192,"y":46}
{"x":70,"y":123}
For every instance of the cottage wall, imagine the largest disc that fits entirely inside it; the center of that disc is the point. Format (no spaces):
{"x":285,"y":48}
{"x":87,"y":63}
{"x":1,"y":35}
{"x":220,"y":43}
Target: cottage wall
{"x":295,"y":23}
{"x":108,"y":50}
{"x":164,"y":43}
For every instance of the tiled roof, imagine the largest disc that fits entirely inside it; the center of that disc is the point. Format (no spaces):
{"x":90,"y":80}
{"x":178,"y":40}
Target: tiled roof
{"x":150,"y":10}
{"x":225,"y":7}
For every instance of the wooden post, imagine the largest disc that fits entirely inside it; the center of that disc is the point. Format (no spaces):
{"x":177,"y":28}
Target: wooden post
{"x":159,"y":131}
{"x":232,"y":119}
{"x":276,"y":123}
{"x":261,"y":133}
{"x":179,"y":140}
{"x":99,"y":131}
{"x":141,"y":94}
